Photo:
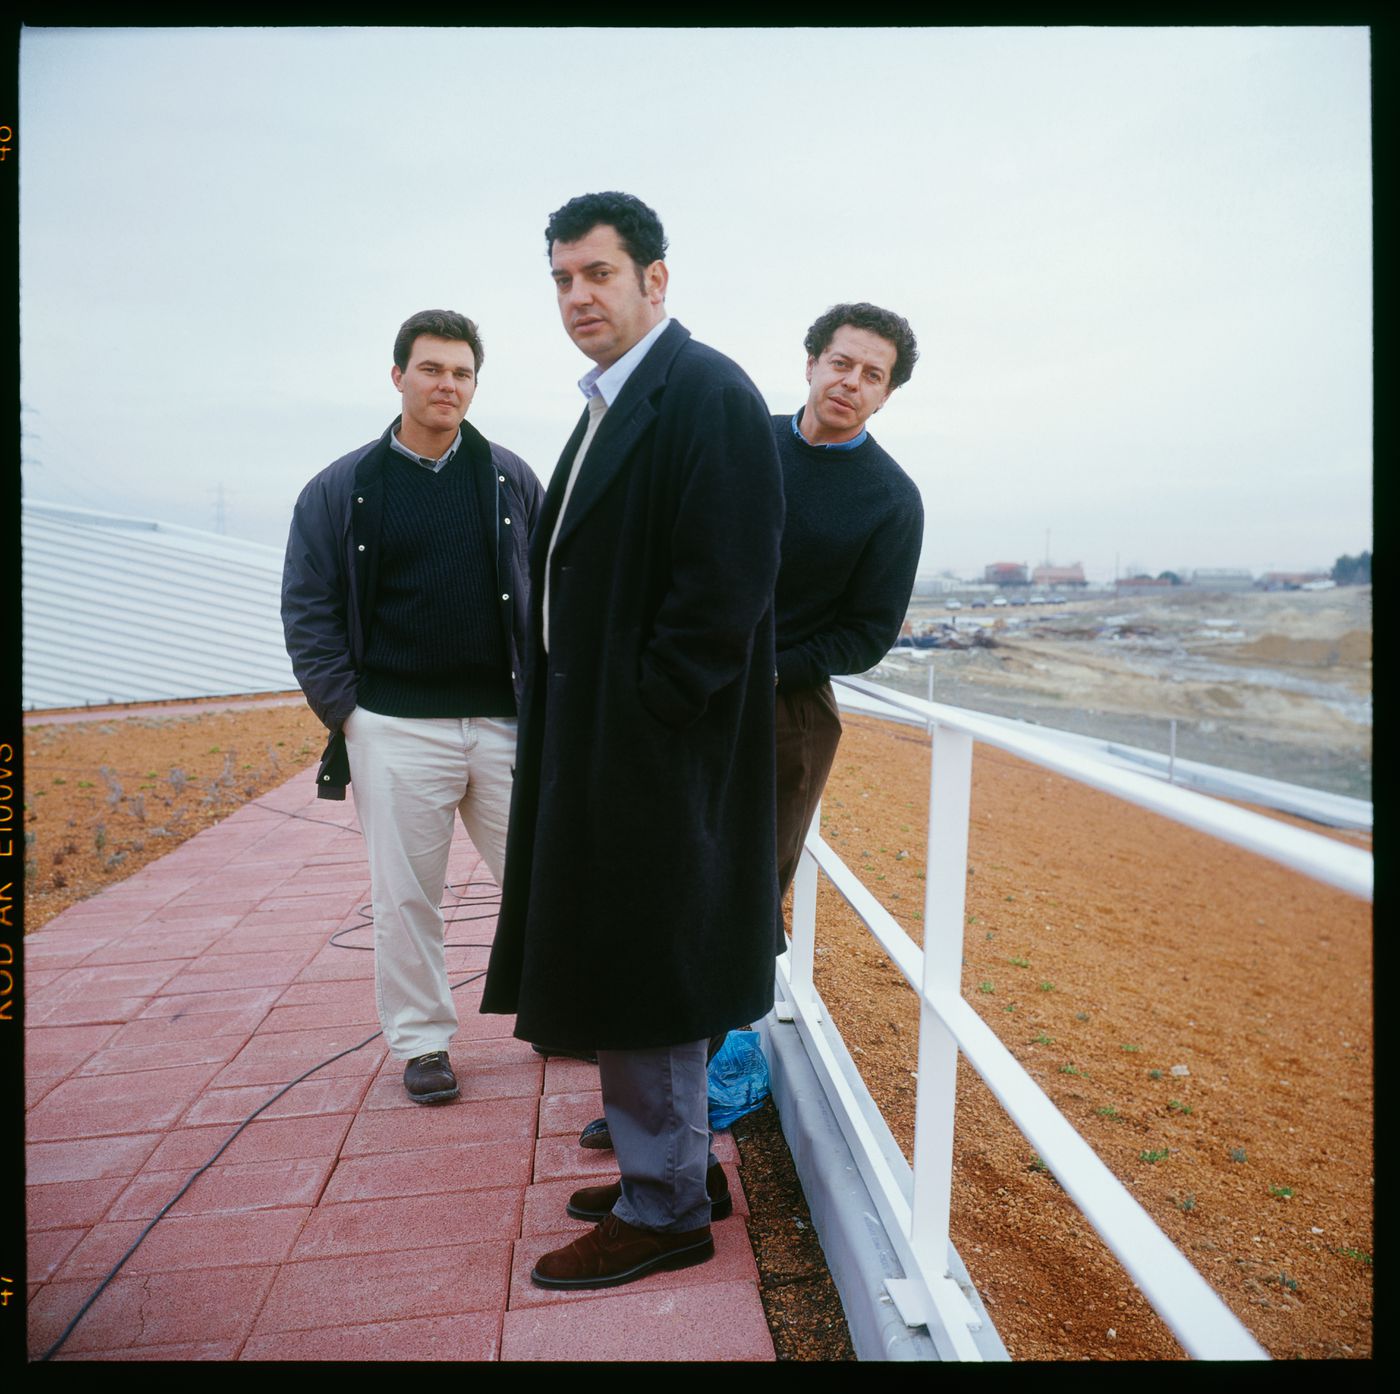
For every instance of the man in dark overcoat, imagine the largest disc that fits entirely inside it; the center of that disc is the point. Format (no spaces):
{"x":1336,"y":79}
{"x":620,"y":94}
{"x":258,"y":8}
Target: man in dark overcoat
{"x":641,"y":894}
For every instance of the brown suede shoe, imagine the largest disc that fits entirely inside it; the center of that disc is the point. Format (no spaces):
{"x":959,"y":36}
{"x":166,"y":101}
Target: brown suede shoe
{"x":594,"y":1202}
{"x":429,"y":1078}
{"x":614,"y":1253}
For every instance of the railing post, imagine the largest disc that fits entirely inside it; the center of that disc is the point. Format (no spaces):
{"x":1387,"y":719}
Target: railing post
{"x":945,"y":895}
{"x":802,"y":950}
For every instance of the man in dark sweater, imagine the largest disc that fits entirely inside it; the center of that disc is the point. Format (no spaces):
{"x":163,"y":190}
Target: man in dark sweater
{"x":404,"y":603}
{"x":851,"y":544}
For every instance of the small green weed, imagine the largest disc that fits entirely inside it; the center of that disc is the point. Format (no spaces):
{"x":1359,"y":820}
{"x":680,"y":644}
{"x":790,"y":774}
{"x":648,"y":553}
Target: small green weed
{"x":59,"y":779}
{"x":1047,"y":987}
{"x":1043,"y":1039}
{"x":1019,"y":962}
{"x":1081,"y":1016}
{"x":1131,"y":1049}
{"x":1037,"y":1164}
{"x":1356,"y":1254}
{"x":1157,"y":1154}
{"x":991,"y":934}
{"x":1070,"y":1070}
{"x":1237,"y":1154}
{"x":1281,"y":1192}
{"x":985,"y":987}
{"x":1177,"y":1106}
{"x":1187,"y":1203}
{"x":85,"y":784}
{"x":1154,"y":1074}
{"x":1284,"y":1281}
{"x":1107,"y":1111}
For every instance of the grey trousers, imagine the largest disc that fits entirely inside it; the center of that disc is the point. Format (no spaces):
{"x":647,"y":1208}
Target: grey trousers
{"x":656,"y":1102}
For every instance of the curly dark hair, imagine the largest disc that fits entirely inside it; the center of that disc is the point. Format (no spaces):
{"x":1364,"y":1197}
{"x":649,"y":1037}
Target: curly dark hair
{"x":442,"y":324}
{"x":885,"y":323}
{"x":637,"y":226}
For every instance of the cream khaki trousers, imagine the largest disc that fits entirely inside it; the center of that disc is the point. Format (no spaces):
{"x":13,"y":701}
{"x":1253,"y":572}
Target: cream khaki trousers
{"x":410,"y":776}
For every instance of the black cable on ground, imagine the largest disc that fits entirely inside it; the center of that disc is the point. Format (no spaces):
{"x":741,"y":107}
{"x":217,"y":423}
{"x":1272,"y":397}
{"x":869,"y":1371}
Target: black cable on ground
{"x":458,"y":892}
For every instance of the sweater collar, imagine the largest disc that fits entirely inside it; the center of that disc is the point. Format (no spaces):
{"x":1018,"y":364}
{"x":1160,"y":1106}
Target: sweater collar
{"x":843,"y":445}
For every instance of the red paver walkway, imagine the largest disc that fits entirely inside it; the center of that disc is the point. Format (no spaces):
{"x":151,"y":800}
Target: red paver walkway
{"x":345,"y":1222}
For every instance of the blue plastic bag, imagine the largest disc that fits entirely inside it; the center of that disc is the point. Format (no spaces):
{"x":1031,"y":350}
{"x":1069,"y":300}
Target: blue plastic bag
{"x":738,"y":1079}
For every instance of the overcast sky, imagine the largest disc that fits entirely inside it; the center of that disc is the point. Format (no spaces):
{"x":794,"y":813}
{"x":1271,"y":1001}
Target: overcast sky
{"x":1138,"y":260}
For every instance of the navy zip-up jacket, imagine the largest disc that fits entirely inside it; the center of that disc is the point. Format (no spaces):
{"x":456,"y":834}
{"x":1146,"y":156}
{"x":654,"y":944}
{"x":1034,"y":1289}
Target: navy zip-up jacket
{"x":328,"y":579}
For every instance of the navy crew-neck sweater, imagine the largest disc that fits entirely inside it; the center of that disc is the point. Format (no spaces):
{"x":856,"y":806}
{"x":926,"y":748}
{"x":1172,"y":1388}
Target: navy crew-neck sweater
{"x":435,"y":646}
{"x":851,"y":540}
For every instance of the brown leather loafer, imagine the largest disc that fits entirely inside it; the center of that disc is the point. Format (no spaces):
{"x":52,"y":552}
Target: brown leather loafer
{"x":429,"y":1078}
{"x":596,"y":1202}
{"x":614,"y":1253}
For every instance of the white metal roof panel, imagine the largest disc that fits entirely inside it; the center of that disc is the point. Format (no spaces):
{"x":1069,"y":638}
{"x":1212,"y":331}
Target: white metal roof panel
{"x":126,"y":609}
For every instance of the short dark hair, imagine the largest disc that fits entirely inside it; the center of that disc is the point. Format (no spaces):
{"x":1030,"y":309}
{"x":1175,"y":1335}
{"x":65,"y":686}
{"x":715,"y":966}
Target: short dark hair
{"x":637,"y":226}
{"x":441,"y":324}
{"x":885,"y":323}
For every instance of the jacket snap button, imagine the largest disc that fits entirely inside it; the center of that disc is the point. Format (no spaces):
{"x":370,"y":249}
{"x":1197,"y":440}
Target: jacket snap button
{"x":360,"y":499}
{"x":507,"y":522}
{"x":501,"y":478}
{"x":505,"y":597}
{"x":325,"y":778}
{"x":361,"y":547}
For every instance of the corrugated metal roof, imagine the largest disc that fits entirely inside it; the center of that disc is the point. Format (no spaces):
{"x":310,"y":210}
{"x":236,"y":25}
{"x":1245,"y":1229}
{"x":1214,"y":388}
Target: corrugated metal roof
{"x":126,"y":609}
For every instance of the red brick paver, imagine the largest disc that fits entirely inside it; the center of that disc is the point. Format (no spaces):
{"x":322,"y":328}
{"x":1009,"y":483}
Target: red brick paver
{"x":345,"y":1222}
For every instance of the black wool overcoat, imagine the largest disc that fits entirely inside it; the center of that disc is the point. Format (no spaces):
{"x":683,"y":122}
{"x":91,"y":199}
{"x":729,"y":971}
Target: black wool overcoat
{"x":641,"y":893}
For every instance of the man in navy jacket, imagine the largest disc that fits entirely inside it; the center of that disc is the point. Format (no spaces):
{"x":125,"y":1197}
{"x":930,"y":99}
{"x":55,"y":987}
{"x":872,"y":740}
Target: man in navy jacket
{"x":404,"y":598}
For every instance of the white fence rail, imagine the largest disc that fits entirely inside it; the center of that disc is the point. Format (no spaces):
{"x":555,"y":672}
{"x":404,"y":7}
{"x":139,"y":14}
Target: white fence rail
{"x":914,"y":1203}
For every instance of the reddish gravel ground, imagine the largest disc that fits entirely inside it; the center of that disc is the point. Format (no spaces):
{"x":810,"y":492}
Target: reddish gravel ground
{"x":1106,"y":945}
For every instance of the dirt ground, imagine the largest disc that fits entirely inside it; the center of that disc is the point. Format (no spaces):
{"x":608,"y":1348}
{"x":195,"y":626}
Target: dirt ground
{"x":1104,"y":945}
{"x":1200,"y":1015}
{"x":104,"y":798}
{"x":1274,"y":683}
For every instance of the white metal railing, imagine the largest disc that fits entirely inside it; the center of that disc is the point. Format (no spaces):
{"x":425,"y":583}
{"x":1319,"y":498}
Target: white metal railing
{"x":914,"y":1203}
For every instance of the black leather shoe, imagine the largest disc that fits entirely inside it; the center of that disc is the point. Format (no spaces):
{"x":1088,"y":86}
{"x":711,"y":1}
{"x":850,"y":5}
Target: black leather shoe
{"x":429,"y":1078}
{"x":594,"y":1202}
{"x":586,"y":1056}
{"x":596,"y":1135}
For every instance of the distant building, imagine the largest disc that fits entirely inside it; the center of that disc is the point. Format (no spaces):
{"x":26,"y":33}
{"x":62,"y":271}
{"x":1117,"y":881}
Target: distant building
{"x":1291,"y":580}
{"x":1005,"y":573}
{"x":940,"y":584}
{"x":1059,"y":575}
{"x":1222,"y":578}
{"x":1143,"y":583}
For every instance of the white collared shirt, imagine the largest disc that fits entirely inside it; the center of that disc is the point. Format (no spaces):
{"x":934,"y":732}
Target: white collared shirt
{"x":435,"y":465}
{"x":597,"y":383}
{"x":608,"y":382}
